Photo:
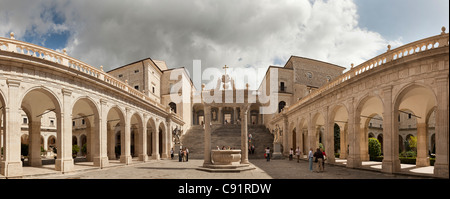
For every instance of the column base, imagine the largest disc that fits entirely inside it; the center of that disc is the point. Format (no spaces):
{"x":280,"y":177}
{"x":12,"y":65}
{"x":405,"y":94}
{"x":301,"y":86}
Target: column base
{"x":441,"y":170}
{"x":155,"y":156}
{"x":164,"y":156}
{"x":125,"y":159}
{"x":390,"y":166}
{"x":422,"y":162}
{"x":353,"y":162}
{"x":35,"y":162}
{"x":143,"y":157}
{"x":12,"y":169}
{"x":101,"y":162}
{"x":64,"y":165}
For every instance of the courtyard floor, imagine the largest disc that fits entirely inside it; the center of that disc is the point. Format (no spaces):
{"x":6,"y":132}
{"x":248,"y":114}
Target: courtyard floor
{"x":172,"y":169}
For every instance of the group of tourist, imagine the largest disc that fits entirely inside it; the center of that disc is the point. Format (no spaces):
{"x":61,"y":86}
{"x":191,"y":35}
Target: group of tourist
{"x":297,"y":153}
{"x":183,"y":154}
{"x":319,"y":158}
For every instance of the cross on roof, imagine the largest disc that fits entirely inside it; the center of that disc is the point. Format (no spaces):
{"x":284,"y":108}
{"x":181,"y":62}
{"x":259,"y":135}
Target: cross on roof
{"x":225,"y":67}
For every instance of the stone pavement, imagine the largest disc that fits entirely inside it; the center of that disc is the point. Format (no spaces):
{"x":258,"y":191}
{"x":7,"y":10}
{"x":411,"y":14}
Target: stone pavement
{"x":172,"y":169}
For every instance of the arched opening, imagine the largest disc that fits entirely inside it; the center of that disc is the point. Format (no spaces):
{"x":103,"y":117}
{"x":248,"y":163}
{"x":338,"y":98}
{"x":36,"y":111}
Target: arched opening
{"x":412,"y":110}
{"x":162,"y":140}
{"x":85,"y":121}
{"x":115,"y":122}
{"x":281,"y":105}
{"x":369,"y":111}
{"x":294,"y":139}
{"x":318,"y":140}
{"x":173,"y":107}
{"x":43,"y":111}
{"x":136,"y":136}
{"x":151,"y":133}
{"x":339,"y":121}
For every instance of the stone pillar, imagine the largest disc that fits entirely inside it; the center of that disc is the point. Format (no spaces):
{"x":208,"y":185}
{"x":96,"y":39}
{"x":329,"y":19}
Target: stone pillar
{"x":442,"y":140}
{"x":34,"y":155}
{"x":166,"y":141}
{"x":365,"y":142}
{"x":101,"y":136}
{"x":111,"y":142}
{"x":391,"y":161}
{"x":235,"y":117}
{"x":311,"y":142}
{"x":354,"y":156}
{"x":207,"y":155}
{"x":155,"y":142}
{"x":125,"y":137}
{"x":244,"y":135}
{"x":343,"y":136}
{"x":329,"y":137}
{"x":422,"y":159}
{"x":220,"y":115}
{"x":11,"y":165}
{"x":64,"y":160}
{"x":142,"y":145}
{"x":285,"y":135}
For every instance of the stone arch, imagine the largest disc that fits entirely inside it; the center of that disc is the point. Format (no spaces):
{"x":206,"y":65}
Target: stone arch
{"x":151,"y":138}
{"x":281,"y":105}
{"x":36,"y":102}
{"x":302,"y":134}
{"x":115,"y":122}
{"x":421,"y":100}
{"x":162,"y":129}
{"x":318,"y":124}
{"x":136,"y":132}
{"x":339,"y":118}
{"x":368,"y":107}
{"x":85,"y":109}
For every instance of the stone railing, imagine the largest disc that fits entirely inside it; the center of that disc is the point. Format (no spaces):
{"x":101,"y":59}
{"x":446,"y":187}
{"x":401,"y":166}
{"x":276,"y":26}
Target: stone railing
{"x":378,"y":61}
{"x":32,"y":50}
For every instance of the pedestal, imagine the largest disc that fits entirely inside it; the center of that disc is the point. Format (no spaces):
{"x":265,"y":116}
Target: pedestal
{"x":276,"y":151}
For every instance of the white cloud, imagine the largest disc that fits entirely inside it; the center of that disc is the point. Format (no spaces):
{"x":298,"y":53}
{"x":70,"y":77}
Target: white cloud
{"x":235,"y":33}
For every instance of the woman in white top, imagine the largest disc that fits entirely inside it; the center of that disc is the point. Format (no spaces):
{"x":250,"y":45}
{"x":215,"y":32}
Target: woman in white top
{"x":268,"y":154}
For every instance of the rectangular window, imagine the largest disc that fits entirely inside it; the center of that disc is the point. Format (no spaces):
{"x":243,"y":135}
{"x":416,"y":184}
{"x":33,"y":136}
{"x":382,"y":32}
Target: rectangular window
{"x":25,"y":120}
{"x":409,"y":116}
{"x":153,"y":89}
{"x":52,"y":123}
{"x":82,"y":121}
{"x":136,"y":71}
{"x":282,"y":86}
{"x":73,"y":123}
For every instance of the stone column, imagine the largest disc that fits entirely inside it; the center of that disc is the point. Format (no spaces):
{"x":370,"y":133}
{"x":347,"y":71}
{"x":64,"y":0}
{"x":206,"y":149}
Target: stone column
{"x":64,"y":160}
{"x":207,"y":155}
{"x":125,"y":137}
{"x":34,"y":155}
{"x":285,"y":135}
{"x":311,"y":135}
{"x":329,"y":137}
{"x":391,"y":161}
{"x":155,"y":142}
{"x":365,"y":143}
{"x":244,"y":135}
{"x":220,"y":115}
{"x":343,"y":136}
{"x":442,"y":140}
{"x":142,"y":145}
{"x":101,"y":134}
{"x":354,"y":156}
{"x":111,"y":142}
{"x":235,"y":115}
{"x":11,"y":163}
{"x":422,"y":159}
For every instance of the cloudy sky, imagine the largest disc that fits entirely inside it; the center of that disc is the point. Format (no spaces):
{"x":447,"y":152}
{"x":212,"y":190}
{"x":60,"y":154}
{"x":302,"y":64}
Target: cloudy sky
{"x":236,"y":33}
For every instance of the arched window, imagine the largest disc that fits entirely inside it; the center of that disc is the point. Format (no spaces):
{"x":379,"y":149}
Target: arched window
{"x":281,"y":105}
{"x":173,"y":107}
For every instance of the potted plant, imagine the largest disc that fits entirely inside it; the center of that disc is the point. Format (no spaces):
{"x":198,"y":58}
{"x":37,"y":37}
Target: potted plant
{"x":75,"y":150}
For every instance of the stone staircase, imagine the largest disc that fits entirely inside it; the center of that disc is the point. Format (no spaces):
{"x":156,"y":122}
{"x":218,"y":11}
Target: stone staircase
{"x":228,"y":136}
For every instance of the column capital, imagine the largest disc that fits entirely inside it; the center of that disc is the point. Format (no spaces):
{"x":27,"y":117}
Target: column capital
{"x":66,"y":91}
{"x":13,"y":82}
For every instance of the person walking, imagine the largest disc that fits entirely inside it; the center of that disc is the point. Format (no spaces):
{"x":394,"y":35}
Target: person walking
{"x":319,"y":160}
{"x":184,"y":155}
{"x":291,"y":153}
{"x":180,"y":155}
{"x":268,"y":154}
{"x":171,"y":153}
{"x":297,"y":153}
{"x":187,"y":154}
{"x":310,"y":158}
